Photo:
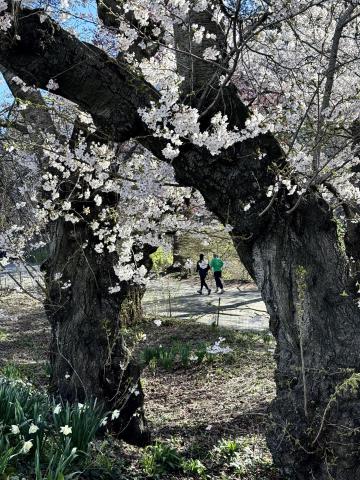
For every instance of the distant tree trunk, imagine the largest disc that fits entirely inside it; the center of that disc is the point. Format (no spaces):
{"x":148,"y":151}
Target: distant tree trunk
{"x":178,"y":264}
{"x":89,"y":357}
{"x":178,"y":259}
{"x":131,"y":306}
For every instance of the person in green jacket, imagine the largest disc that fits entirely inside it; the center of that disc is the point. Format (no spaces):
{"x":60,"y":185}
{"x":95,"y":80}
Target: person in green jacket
{"x":216,"y":265}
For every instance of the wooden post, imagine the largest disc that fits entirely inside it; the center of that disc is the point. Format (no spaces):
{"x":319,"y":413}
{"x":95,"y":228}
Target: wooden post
{"x":218,"y":313}
{"x":170,"y":313}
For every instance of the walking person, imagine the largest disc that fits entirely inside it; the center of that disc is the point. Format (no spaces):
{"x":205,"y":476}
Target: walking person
{"x":202,"y":267}
{"x":217,"y":264}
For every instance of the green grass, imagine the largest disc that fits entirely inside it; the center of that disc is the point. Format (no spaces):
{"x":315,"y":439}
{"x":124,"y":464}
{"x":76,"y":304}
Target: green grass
{"x":12,"y":371}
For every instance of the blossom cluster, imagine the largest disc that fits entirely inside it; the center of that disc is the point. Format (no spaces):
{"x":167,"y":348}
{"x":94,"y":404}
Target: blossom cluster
{"x":5,"y":18}
{"x":125,"y":197}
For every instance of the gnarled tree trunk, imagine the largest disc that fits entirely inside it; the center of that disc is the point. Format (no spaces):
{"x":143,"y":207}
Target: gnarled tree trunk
{"x":88,"y":354}
{"x":301,"y":266}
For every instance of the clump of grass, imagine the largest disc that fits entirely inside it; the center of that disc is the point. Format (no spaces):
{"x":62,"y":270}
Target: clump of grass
{"x":177,"y":355}
{"x":11,"y":371}
{"x":194,"y":467}
{"x":247,"y":457}
{"x":161,"y":458}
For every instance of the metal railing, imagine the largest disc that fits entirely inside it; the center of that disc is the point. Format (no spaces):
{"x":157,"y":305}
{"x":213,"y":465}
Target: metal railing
{"x":21,"y":277}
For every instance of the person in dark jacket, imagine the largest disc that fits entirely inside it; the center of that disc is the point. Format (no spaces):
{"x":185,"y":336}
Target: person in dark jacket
{"x":202,"y":267}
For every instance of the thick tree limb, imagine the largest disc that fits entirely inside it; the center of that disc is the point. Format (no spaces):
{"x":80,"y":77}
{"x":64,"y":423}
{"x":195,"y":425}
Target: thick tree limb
{"x":86,"y":75}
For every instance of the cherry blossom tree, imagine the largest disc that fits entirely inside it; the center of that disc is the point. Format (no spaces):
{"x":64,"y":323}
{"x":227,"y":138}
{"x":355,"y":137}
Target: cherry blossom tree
{"x":75,"y":206}
{"x":255,"y":105}
{"x":74,"y":191}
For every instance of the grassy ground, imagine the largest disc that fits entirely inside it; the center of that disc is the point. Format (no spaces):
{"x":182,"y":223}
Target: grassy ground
{"x":208,"y":418}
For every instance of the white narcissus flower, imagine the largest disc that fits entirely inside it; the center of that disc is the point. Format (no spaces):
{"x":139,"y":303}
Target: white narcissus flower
{"x":158,"y":323}
{"x":33,"y":428}
{"x":27,"y":446}
{"x":66,"y":430}
{"x":57,"y":409}
{"x":15,"y":429}
{"x":115,"y":414}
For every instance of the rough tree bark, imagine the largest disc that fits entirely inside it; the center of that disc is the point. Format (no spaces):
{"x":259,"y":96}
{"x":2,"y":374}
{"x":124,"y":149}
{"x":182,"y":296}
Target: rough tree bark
{"x":298,"y":260}
{"x":89,"y":357}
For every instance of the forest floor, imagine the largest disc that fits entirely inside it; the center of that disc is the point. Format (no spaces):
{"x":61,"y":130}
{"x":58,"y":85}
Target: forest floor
{"x":208,"y":413}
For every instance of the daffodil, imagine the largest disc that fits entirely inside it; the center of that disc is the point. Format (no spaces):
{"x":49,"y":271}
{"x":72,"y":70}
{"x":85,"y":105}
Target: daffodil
{"x":33,"y":428}
{"x":15,"y":429}
{"x":66,"y":430}
{"x":27,"y":446}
